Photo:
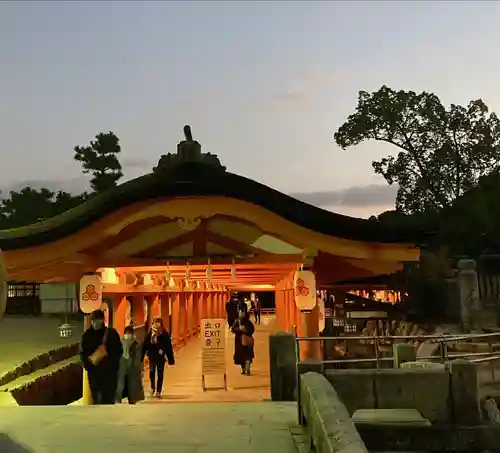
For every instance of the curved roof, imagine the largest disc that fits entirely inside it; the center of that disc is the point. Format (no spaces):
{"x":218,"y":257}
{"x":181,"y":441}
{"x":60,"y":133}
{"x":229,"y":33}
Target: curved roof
{"x":190,"y":179}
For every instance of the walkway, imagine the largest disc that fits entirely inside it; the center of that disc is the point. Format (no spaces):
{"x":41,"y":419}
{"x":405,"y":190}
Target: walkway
{"x":176,"y":428}
{"x":22,"y":338}
{"x":183,"y":381}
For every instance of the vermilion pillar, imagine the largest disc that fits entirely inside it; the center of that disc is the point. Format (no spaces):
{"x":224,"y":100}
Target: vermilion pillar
{"x":210,"y":305}
{"x":183,"y":317}
{"x":155,"y":306}
{"x":164,"y":310}
{"x":197,"y":299}
{"x":176,"y":321}
{"x":191,"y":322}
{"x":138,"y":314}
{"x":220,"y":311}
{"x":119,"y":312}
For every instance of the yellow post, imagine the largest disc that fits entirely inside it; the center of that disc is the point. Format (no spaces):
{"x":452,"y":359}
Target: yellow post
{"x":86,"y":393}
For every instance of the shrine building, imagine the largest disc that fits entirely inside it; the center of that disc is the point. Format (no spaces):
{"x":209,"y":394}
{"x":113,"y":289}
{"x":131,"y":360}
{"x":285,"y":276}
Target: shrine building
{"x":180,"y":239}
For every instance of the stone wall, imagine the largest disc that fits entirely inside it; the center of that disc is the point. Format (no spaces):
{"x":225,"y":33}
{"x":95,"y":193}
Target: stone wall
{"x":441,"y":394}
{"x":39,"y":362}
{"x":57,"y":384}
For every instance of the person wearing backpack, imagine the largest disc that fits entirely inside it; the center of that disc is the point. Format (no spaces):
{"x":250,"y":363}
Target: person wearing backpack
{"x":100,"y":352}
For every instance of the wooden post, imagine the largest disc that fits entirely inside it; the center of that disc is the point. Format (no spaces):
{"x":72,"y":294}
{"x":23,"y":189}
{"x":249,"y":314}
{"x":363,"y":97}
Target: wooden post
{"x":86,"y":393}
{"x":310,"y":325}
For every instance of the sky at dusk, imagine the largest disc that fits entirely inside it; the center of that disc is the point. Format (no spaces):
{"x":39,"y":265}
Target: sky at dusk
{"x":263,"y":84}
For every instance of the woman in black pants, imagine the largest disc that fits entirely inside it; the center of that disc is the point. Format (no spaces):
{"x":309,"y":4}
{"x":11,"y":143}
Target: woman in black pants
{"x":158,"y":348}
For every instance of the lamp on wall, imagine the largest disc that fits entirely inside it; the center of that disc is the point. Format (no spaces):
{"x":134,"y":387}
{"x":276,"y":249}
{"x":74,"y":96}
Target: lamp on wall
{"x":188,"y":273}
{"x":168,"y":274}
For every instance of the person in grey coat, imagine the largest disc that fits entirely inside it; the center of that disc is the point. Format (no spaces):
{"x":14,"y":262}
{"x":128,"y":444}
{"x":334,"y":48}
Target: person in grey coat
{"x":130,"y":371}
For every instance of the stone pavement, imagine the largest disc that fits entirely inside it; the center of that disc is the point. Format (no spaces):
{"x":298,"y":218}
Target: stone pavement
{"x":176,"y":428}
{"x":183,"y":381}
{"x":22,"y":338}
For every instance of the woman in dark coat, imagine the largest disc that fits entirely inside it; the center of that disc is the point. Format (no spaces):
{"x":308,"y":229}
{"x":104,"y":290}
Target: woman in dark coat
{"x":130,"y":371}
{"x":158,"y":347}
{"x":243,"y":330}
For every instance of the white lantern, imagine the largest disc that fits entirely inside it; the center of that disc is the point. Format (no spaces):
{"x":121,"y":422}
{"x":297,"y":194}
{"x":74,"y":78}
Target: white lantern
{"x":90,"y":293}
{"x":304,"y":285}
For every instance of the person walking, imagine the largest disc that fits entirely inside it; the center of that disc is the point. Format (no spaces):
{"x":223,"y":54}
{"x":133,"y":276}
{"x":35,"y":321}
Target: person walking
{"x":130,"y":371}
{"x":257,"y":309}
{"x":243,"y":330}
{"x":231,"y":311}
{"x":158,"y":348}
{"x":100,"y":352}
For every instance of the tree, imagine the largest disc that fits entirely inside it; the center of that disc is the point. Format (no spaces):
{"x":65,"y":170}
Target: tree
{"x":442,"y":153}
{"x":100,"y":158}
{"x":30,"y":206}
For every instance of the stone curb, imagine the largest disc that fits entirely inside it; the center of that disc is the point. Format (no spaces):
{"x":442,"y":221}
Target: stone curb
{"x":330,"y":426}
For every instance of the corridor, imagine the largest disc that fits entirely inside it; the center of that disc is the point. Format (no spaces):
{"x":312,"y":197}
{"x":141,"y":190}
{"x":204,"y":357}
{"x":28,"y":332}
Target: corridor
{"x":182,"y":382}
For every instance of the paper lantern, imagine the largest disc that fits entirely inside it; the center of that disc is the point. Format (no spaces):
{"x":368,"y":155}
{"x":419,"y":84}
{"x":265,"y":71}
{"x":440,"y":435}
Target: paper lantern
{"x":90,"y":293}
{"x":304,"y":285}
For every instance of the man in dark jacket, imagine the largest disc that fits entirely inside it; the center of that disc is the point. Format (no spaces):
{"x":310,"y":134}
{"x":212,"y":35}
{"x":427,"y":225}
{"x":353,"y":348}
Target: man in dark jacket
{"x":100,"y":352}
{"x":158,"y":348}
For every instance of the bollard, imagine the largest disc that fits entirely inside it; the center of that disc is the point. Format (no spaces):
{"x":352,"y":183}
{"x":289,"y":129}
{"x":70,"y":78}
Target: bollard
{"x":86,"y":393}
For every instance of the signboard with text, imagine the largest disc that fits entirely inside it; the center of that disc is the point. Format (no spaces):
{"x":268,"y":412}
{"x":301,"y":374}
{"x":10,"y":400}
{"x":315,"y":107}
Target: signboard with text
{"x":213,"y":357}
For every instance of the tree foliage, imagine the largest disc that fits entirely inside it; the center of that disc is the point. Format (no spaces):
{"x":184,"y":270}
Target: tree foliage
{"x":30,"y":205}
{"x":441,"y":153}
{"x":100,"y":159}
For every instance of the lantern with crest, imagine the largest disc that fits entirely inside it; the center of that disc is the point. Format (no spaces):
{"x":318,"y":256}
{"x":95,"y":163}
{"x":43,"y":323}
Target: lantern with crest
{"x":304,"y":285}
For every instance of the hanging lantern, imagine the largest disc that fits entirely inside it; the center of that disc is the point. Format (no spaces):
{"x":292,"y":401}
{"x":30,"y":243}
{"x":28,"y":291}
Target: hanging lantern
{"x":209,"y":271}
{"x":168,"y":275}
{"x":233,"y":271}
{"x":188,"y":273}
{"x":304,"y":285}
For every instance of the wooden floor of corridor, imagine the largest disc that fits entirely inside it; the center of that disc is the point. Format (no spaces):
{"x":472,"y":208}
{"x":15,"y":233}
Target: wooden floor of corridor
{"x":182,"y":382}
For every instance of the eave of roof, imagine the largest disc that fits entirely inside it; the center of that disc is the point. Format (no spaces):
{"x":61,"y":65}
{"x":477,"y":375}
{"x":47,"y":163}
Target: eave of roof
{"x":199,"y":179}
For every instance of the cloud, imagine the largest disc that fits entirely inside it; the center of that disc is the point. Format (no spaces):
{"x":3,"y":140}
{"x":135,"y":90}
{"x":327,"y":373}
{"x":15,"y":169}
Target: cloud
{"x":307,"y":88}
{"x":358,"y":196}
{"x":136,"y":162}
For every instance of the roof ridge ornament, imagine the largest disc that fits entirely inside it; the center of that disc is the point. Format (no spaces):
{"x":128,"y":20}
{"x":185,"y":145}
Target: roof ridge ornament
{"x":188,"y":152}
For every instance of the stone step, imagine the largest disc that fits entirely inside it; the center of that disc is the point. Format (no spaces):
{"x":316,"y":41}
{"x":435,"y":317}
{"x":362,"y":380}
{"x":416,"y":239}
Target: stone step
{"x":390,"y":417}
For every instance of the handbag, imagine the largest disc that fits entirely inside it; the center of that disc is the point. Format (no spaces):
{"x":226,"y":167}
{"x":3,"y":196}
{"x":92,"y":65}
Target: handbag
{"x":101,"y":350}
{"x":247,"y":340}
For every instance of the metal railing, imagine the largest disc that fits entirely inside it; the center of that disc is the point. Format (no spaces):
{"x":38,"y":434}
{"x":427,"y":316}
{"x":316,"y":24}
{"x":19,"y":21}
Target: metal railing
{"x":444,"y":341}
